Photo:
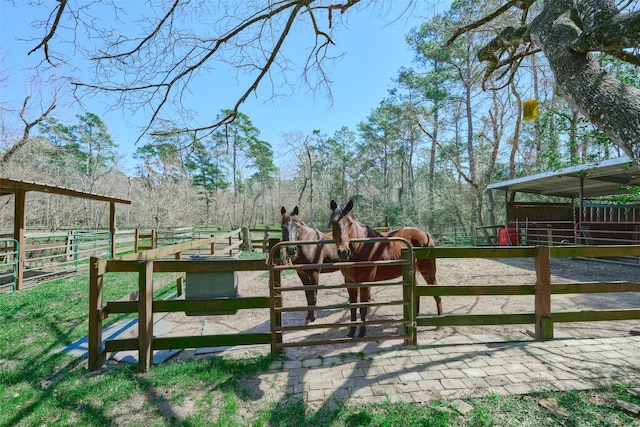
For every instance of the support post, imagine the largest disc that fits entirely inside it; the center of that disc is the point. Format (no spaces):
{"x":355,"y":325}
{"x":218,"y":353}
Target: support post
{"x":136,"y":241}
{"x":20,"y":219}
{"x":265,"y":240}
{"x":275,"y":281}
{"x":145,"y":315}
{"x":409,"y":309}
{"x":179,"y":280}
{"x":247,"y":245}
{"x":213,"y":244}
{"x":112,"y":227}
{"x":544,"y":323}
{"x":97,"y":355}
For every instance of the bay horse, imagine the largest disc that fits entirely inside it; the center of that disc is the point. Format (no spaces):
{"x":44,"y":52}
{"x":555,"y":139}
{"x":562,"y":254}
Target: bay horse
{"x":344,"y":227}
{"x":294,"y":229}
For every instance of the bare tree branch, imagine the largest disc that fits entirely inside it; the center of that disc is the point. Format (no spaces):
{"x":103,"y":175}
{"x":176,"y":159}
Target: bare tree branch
{"x":45,"y":41}
{"x":522,"y":4}
{"x":152,"y":34}
{"x":28,"y":125}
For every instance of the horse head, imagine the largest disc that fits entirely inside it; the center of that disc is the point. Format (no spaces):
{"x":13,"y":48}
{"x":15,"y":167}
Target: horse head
{"x":341,"y":223}
{"x":290,"y":227}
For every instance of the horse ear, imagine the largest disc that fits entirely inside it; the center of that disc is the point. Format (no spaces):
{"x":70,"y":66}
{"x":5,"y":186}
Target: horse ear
{"x":348,"y":208}
{"x":295,"y":211}
{"x":283,"y":211}
{"x":333,"y":205}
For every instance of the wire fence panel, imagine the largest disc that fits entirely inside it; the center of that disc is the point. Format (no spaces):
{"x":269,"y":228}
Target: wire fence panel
{"x":8,"y":264}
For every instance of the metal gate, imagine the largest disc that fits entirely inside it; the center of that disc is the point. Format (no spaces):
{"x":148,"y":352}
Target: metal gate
{"x":279,"y":293}
{"x":8,"y":264}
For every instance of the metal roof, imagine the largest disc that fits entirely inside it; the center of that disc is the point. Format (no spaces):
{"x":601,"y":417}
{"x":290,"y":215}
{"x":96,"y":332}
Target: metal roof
{"x":10,"y":186}
{"x":596,"y":179}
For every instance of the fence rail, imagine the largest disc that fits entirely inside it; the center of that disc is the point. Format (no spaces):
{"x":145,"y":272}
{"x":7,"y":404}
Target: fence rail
{"x":541,"y":315}
{"x":52,"y":256}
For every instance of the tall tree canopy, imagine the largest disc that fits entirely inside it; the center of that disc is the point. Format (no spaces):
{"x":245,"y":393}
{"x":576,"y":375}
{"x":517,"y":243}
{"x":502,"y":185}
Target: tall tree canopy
{"x":574,"y":35}
{"x":152,"y":62}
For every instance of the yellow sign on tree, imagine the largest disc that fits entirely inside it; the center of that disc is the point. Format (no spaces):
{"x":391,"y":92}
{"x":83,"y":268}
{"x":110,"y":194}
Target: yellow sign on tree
{"x":530,"y":110}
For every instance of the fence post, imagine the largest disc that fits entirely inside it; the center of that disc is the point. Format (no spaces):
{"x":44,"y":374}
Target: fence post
{"x":136,"y":241}
{"x":409,"y":309}
{"x":112,"y":228}
{"x":213,"y":245}
{"x":19,"y":224}
{"x":154,"y":239}
{"x":275,"y":278}
{"x":145,"y":315}
{"x":97,"y":355}
{"x":68,"y":246}
{"x":544,"y":322}
{"x":179,"y":280}
{"x":246,"y":240}
{"x":265,"y":240}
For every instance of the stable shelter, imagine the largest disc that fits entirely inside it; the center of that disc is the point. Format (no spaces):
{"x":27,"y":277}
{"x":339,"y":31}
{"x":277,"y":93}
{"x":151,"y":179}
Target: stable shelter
{"x":20,"y":188}
{"x":580,"y":220}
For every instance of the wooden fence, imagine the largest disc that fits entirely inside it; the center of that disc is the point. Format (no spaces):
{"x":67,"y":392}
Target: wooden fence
{"x":146,"y":264}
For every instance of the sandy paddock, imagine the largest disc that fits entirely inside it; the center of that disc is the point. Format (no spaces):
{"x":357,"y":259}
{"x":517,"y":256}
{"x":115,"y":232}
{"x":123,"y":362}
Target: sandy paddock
{"x":450,"y":272}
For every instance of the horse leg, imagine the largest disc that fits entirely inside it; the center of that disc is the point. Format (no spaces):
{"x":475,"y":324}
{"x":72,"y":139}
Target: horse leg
{"x":365,"y":296}
{"x":353,"y":298}
{"x":308,"y":279}
{"x":428,"y":270}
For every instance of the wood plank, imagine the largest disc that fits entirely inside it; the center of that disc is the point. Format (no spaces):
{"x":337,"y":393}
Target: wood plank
{"x":467,"y":252}
{"x":113,"y":307}
{"x":212,"y":304}
{"x":167,"y":343}
{"x":145,"y":316}
{"x":199,"y":341}
{"x":189,"y":266}
{"x":474,"y":290}
{"x":594,"y":287}
{"x":165,"y":251}
{"x":595,"y":251}
{"x":596,"y":315}
{"x":476,"y":319}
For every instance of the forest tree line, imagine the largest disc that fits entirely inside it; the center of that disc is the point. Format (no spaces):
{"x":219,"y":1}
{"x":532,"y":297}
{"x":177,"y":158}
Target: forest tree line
{"x":424,"y":155}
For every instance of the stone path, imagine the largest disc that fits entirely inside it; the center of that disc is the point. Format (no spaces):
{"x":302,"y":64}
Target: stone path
{"x":454,"y":368}
{"x":456,"y":371}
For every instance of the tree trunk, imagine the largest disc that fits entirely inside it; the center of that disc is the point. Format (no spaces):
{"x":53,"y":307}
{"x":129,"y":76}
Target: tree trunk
{"x":611,"y":105}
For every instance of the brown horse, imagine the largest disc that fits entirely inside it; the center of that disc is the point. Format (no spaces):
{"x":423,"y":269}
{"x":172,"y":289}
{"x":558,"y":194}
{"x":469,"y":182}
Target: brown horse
{"x":294,"y":229}
{"x":345,"y":226}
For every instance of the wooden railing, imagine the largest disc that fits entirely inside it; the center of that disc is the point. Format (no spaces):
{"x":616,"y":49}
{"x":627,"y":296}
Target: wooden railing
{"x":146,"y":264}
{"x":541,"y":315}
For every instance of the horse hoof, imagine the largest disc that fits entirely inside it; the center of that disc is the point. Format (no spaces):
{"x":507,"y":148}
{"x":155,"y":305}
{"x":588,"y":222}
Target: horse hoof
{"x":352,"y":332}
{"x":363,"y":331}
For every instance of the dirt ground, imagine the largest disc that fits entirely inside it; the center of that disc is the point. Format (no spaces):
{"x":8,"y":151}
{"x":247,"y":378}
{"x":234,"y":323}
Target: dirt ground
{"x":450,"y":272}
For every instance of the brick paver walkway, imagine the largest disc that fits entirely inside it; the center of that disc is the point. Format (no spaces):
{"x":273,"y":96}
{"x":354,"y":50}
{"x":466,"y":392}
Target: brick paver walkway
{"x":456,"y":371}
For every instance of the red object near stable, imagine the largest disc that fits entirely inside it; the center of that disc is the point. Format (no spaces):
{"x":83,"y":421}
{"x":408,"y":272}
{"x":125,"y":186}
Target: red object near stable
{"x":508,"y":236}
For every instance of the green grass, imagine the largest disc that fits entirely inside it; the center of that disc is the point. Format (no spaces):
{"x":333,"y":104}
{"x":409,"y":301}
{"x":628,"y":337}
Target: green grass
{"x":41,"y":386}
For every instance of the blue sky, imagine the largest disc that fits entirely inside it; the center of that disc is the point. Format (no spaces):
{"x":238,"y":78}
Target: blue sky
{"x":374,"y":50}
